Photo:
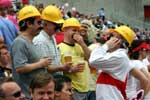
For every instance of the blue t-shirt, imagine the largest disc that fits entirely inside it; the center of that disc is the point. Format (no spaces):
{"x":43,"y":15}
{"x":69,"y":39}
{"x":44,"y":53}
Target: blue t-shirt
{"x":8,"y":31}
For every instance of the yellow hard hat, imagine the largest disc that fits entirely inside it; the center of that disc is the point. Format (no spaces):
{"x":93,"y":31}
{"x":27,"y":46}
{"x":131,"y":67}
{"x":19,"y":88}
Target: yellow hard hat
{"x":53,"y":14}
{"x":126,"y":32}
{"x":28,"y":11}
{"x":71,"y":22}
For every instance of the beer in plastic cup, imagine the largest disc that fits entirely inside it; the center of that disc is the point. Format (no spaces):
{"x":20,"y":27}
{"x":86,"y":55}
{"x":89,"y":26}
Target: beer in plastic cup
{"x":68,"y":58}
{"x":82,"y":63}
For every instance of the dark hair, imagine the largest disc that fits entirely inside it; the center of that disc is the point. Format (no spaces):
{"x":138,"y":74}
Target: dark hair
{"x":147,"y":41}
{"x":69,"y":14}
{"x":59,"y":82}
{"x":23,"y":23}
{"x":135,"y":43}
{"x":1,"y":8}
{"x":41,"y":80}
{"x":124,"y":44}
{"x":100,"y":39}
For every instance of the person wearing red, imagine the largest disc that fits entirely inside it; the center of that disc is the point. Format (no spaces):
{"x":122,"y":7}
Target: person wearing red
{"x":59,"y":37}
{"x":113,"y":60}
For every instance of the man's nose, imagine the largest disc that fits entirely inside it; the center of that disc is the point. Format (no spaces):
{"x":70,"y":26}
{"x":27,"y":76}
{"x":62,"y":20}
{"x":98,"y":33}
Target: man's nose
{"x":45,"y":96}
{"x":22,"y":96}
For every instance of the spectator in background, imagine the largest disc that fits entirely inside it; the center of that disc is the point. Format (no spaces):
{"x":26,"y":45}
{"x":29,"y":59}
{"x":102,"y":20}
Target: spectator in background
{"x":84,"y":34}
{"x":59,"y":37}
{"x":8,"y":11}
{"x":42,"y":87}
{"x":5,"y":61}
{"x":40,"y":7}
{"x":102,"y":13}
{"x":63,"y":89}
{"x":146,"y":60}
{"x":8,"y":31}
{"x":136,"y":51}
{"x":5,"y":56}
{"x":10,"y":90}
{"x":91,"y":30}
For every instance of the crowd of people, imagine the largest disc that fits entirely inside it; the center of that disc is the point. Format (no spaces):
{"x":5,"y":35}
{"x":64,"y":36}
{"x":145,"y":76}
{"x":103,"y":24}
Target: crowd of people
{"x":48,"y":53}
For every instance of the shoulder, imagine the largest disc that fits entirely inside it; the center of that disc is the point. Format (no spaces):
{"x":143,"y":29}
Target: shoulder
{"x":19,"y":42}
{"x":137,"y":64}
{"x":61,"y":45}
{"x":6,"y":21}
{"x":121,"y":52}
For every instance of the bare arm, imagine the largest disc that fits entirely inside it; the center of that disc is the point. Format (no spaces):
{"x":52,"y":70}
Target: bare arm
{"x":66,"y":67}
{"x":145,"y":85}
{"x":146,"y":73}
{"x":30,"y":67}
{"x":80,"y":41}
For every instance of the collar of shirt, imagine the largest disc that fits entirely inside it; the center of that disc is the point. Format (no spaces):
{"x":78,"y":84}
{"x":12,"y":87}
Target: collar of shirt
{"x":46,"y":35}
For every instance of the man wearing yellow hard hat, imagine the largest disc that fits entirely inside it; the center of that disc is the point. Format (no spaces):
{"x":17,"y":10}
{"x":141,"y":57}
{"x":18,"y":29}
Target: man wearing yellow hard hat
{"x":45,"y":41}
{"x":79,"y":72}
{"x":25,"y":61}
{"x":112,"y":59}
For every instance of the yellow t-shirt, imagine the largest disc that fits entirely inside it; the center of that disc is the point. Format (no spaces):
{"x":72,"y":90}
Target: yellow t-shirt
{"x":80,"y":80}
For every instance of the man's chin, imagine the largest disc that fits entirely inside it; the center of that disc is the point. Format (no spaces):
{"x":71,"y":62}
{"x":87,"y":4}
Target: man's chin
{"x":38,"y":32}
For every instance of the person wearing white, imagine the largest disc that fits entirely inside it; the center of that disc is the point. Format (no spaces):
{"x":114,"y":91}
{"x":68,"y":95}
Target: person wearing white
{"x":137,"y":52}
{"x":116,"y":64}
{"x":146,"y":62}
{"x":112,"y":59}
{"x":133,"y":84}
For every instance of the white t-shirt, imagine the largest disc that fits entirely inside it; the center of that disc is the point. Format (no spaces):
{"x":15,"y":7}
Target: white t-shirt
{"x":146,"y":62}
{"x":133,"y":85}
{"x":115,"y":64}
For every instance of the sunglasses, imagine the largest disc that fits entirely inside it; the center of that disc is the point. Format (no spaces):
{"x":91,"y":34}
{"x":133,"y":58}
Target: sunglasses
{"x":16,"y":94}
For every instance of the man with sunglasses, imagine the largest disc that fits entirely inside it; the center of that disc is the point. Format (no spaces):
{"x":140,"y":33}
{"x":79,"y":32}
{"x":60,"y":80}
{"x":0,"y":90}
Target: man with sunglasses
{"x":26,"y":63}
{"x":45,"y":41}
{"x":10,"y":90}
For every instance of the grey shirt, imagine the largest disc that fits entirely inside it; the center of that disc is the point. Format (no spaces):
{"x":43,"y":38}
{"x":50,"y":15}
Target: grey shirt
{"x":22,"y":53}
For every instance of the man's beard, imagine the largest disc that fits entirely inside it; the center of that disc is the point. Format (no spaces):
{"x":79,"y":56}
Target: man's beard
{"x":38,"y":30}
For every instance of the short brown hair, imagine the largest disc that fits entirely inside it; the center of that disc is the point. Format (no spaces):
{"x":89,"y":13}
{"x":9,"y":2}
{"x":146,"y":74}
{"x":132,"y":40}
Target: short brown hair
{"x":2,"y":45}
{"x":41,"y":80}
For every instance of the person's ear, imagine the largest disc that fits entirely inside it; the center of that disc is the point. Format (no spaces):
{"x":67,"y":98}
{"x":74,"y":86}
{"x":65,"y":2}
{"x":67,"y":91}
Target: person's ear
{"x":29,"y":24}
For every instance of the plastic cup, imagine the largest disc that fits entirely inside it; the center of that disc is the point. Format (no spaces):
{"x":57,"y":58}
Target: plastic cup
{"x":68,"y":57}
{"x":81,"y":63}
